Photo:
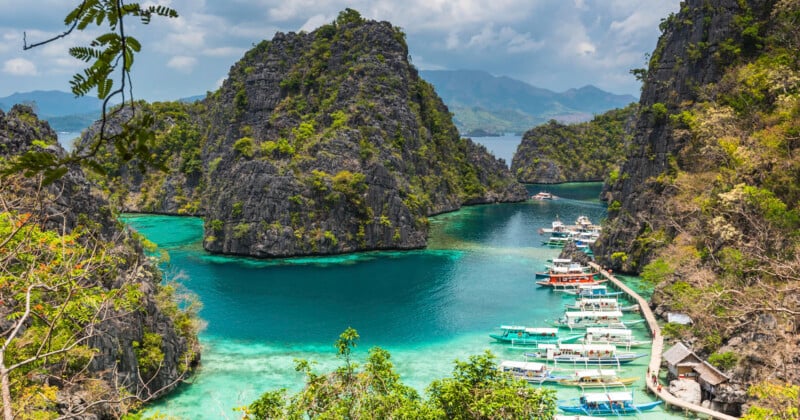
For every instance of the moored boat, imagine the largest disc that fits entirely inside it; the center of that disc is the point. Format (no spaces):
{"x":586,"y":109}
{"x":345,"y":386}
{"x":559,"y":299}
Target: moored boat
{"x":570,"y":280}
{"x":607,"y":403}
{"x":593,"y":290}
{"x":584,"y":354}
{"x":600,"y":304}
{"x":532,"y":372}
{"x":616,"y":336}
{"x":586,"y":319}
{"x":596,"y":378}
{"x":542,"y":195}
{"x":521,"y":335}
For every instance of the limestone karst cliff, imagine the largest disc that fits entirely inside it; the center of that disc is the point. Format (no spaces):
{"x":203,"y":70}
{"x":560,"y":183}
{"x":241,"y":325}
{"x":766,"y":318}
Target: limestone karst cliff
{"x":553,"y":153}
{"x":317,"y":143}
{"x":706,"y":204}
{"x":91,"y":285}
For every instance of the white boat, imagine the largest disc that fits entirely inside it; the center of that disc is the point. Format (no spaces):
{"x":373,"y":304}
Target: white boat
{"x":543,"y":196}
{"x":576,"y":417}
{"x":617,"y":336}
{"x":532,"y":372}
{"x":584,"y":354}
{"x":597,"y":378}
{"x":586,"y":319}
{"x":593,"y":290}
{"x":585,"y":303}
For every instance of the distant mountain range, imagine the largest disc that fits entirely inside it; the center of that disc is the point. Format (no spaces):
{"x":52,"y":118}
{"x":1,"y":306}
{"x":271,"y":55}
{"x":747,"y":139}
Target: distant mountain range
{"x":487,"y":104}
{"x":482,"y":104}
{"x":62,"y":110}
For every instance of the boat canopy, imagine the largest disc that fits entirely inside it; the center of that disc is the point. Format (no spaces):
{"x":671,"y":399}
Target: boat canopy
{"x":562,"y":260}
{"x":539,"y":330}
{"x":603,"y":397}
{"x":515,"y":364}
{"x":595,"y":301}
{"x":613,"y":332}
{"x":593,"y":314}
{"x":513,"y":327}
{"x":588,"y":347}
{"x":593,"y":373}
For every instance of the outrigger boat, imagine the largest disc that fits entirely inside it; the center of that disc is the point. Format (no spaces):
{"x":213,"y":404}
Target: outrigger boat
{"x":600,"y":304}
{"x":520,"y":335}
{"x":596,"y":378}
{"x":533,"y":372}
{"x":562,"y":417}
{"x":570,"y":280}
{"x":607,"y":403}
{"x":616,"y":336}
{"x":585,"y":354}
{"x":592,"y":290}
{"x":586,"y":319}
{"x":564,"y":266}
{"x":543,"y":196}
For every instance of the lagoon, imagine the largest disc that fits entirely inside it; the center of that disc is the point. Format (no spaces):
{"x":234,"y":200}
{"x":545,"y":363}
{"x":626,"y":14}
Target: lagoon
{"x":427,"y":307}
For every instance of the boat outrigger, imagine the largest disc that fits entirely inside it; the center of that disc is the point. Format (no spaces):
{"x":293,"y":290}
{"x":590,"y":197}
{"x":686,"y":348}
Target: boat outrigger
{"x":586,"y":319}
{"x":615,"y":336}
{"x":592,"y":290}
{"x":533,"y":372}
{"x":520,"y":335}
{"x":596,"y":378}
{"x":584,"y":354}
{"x":600,"y":304}
{"x":607,"y":403}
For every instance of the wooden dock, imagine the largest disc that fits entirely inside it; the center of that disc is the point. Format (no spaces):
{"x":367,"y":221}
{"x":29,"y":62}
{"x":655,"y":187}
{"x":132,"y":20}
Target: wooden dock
{"x":658,"y":348}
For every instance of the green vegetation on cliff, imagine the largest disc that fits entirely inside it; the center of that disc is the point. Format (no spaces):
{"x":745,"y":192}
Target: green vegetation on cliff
{"x":317,"y":143}
{"x":590,"y":151}
{"x":87,"y":328}
{"x":714,"y":217}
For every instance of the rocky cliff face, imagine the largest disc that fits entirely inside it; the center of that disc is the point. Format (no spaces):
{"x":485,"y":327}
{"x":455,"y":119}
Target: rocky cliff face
{"x":553,"y":153}
{"x":706,"y":203}
{"x":70,"y":204}
{"x":328,"y":142}
{"x":691,"y":53}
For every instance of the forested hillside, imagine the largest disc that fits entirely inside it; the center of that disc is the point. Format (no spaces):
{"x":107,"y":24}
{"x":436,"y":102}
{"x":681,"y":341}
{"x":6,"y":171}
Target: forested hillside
{"x":706,"y":206}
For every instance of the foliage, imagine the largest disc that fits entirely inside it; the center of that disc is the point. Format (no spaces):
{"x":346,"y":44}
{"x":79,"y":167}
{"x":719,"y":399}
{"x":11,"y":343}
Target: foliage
{"x":724,"y":361}
{"x":110,"y":55}
{"x":774,"y":400}
{"x":657,"y":271}
{"x":477,"y":390}
{"x":589,"y":151}
{"x":55,"y":284}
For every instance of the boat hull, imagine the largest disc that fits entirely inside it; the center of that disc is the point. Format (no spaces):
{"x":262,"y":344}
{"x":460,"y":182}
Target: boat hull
{"x":522,"y":341}
{"x":619,"y":383}
{"x":604,"y":409}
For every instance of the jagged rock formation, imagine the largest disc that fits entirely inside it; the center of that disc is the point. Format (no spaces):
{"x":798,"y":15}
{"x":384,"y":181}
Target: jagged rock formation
{"x":706,"y":203}
{"x":70,"y":204}
{"x":554,"y":153}
{"x":320,"y":143}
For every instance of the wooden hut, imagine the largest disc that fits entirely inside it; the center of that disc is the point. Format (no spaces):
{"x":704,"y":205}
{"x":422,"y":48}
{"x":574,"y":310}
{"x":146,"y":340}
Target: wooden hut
{"x":685,"y":364}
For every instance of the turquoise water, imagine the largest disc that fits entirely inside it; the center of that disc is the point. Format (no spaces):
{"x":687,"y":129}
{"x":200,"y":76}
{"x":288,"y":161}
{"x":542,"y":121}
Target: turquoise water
{"x":426,"y":307}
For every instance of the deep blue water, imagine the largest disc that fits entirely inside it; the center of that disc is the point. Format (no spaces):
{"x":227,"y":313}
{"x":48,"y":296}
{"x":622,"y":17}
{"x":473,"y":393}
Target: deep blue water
{"x":426,"y":307}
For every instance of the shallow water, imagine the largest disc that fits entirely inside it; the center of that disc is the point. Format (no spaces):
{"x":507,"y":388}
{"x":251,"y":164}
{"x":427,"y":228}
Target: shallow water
{"x":426,"y":307}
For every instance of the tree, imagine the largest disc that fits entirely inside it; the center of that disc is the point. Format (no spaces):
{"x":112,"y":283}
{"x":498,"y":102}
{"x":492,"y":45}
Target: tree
{"x":62,"y":288}
{"x":477,"y":390}
{"x":110,"y":58}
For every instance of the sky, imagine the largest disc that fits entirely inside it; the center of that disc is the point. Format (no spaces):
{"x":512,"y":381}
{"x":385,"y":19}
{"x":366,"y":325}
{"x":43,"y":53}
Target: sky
{"x":553,"y":44}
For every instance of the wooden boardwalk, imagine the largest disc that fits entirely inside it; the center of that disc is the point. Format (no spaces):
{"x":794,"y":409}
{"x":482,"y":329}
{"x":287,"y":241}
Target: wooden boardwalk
{"x":658,"y":348}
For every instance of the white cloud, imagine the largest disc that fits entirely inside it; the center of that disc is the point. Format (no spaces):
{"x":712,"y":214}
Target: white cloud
{"x":585,"y":48}
{"x":223,"y":52}
{"x":20,"y":67}
{"x":506,"y":38}
{"x":315,"y":22}
{"x":182,"y":63}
